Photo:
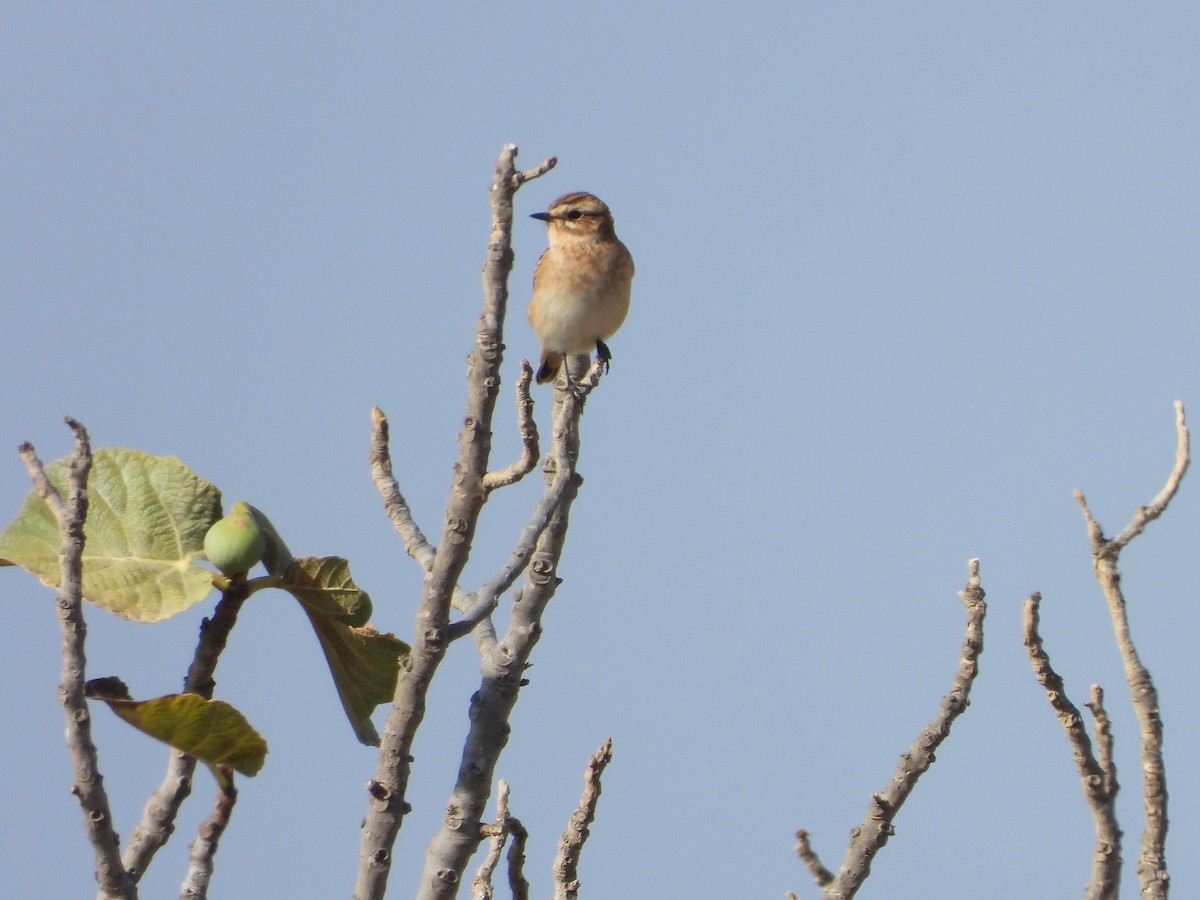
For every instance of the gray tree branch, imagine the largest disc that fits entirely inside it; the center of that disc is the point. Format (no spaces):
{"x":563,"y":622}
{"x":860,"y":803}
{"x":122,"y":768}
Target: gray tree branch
{"x":868,"y":839}
{"x":88,"y":786}
{"x":821,"y":875}
{"x":482,"y":887}
{"x":415,"y":543}
{"x":204,"y":848}
{"x":504,"y":662}
{"x":386,"y":805}
{"x":1152,"y":864}
{"x":158,"y":817}
{"x":570,"y":845}
{"x":1099,"y":780}
{"x":528,"y":432}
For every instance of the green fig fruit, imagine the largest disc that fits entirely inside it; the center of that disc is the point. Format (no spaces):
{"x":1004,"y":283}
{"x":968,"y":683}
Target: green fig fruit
{"x":235,"y":544}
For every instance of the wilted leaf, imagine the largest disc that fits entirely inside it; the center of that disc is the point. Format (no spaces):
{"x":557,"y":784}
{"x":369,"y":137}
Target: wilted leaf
{"x":210,"y":730}
{"x":147,"y":517}
{"x":364,"y":664}
{"x":324,"y":586}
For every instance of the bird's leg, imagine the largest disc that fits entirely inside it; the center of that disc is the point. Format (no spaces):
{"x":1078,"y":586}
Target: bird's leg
{"x":603,"y":354}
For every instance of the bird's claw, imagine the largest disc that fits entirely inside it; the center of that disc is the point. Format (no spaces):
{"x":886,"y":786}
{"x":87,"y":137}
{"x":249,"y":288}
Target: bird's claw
{"x":603,"y":354}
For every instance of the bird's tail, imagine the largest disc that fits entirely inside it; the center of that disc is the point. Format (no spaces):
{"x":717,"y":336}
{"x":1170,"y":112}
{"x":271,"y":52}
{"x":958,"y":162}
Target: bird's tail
{"x":548,"y":367}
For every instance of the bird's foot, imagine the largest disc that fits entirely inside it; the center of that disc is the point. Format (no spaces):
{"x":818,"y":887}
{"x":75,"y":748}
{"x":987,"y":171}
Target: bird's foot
{"x":603,"y":354}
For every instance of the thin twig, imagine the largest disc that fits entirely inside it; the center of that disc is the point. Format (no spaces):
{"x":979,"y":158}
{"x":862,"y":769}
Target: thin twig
{"x":1099,"y":786}
{"x":1104,"y":740}
{"x":482,"y":887}
{"x":484,"y":602}
{"x":88,"y":786}
{"x":821,"y":875}
{"x":869,"y":838}
{"x":527,"y":429}
{"x":517,"y":883}
{"x":1152,"y":864}
{"x":387,"y":805}
{"x":204,"y":848}
{"x":162,"y":808}
{"x":566,"y":863}
{"x":415,"y":543}
{"x":1158,"y":505}
{"x":519,"y":178}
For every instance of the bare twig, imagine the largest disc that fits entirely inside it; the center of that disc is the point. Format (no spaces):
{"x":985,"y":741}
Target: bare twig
{"x":517,"y":882}
{"x":1158,"y":505}
{"x":867,"y":839}
{"x":204,"y":848}
{"x":484,"y":601}
{"x":158,"y":817}
{"x":566,"y":863}
{"x":527,"y":429}
{"x":1152,"y":864}
{"x":1099,"y":785}
{"x":482,"y":887}
{"x":415,"y":543}
{"x":387,"y":805}
{"x":821,"y":875}
{"x":519,"y":178}
{"x":88,"y":786}
{"x":1104,"y":740}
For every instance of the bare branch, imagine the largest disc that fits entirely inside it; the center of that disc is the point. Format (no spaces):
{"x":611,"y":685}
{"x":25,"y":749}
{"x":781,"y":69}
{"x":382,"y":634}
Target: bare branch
{"x":484,"y":602}
{"x":204,"y":848}
{"x":1152,"y":864}
{"x":536,"y":172}
{"x":387,"y":805}
{"x":88,"y":786}
{"x":1099,"y":785}
{"x":415,"y":543}
{"x":869,"y":838}
{"x":517,"y":882}
{"x":41,"y":484}
{"x":504,"y":662}
{"x":1104,"y":740}
{"x":1158,"y":505}
{"x":566,"y":863}
{"x":482,"y":888}
{"x":821,"y":875}
{"x":527,"y":428}
{"x":158,"y":817}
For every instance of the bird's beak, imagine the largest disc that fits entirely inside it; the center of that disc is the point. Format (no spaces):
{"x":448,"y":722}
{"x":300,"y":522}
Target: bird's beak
{"x":545,"y":217}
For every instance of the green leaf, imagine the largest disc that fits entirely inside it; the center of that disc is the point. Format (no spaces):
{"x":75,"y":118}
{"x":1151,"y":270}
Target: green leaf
{"x":210,"y":730}
{"x":364,"y":665}
{"x":324,"y":586}
{"x":147,"y":517}
{"x":363,"y":662}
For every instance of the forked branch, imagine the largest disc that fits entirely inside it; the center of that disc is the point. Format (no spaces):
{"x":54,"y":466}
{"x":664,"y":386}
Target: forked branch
{"x":868,"y":838}
{"x":1096,"y":771}
{"x":1152,"y":865}
{"x":387,"y":805}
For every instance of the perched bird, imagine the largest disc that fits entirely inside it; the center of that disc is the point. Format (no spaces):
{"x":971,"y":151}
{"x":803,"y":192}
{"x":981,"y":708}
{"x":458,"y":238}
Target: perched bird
{"x":581,"y":283}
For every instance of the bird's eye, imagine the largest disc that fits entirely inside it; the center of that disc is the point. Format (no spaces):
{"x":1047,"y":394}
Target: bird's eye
{"x":574,"y":214}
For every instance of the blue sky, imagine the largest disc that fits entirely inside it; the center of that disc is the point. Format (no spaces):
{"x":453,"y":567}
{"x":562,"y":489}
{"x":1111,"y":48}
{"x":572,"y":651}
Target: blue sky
{"x":907,"y":276}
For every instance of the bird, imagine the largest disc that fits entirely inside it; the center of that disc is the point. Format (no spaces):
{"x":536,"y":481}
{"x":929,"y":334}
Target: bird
{"x":581,"y":284}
